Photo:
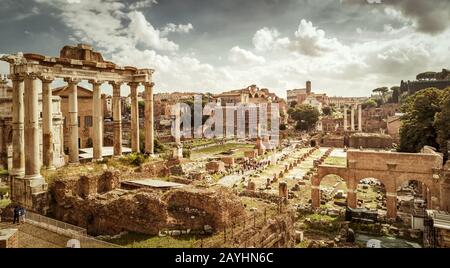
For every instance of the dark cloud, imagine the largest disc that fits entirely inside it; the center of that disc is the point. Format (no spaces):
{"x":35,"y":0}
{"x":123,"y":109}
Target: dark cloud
{"x":430,"y":16}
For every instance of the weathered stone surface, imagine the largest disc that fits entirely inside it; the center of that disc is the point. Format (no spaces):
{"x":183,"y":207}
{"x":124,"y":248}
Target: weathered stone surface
{"x":143,"y":211}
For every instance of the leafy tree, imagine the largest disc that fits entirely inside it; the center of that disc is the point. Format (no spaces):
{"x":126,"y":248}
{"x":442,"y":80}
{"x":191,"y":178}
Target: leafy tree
{"x":369,"y":104}
{"x":293,"y":104}
{"x":395,"y":95}
{"x":382,"y":92}
{"x":306,"y":116}
{"x":442,"y":123}
{"x":327,"y":110}
{"x":418,"y":127}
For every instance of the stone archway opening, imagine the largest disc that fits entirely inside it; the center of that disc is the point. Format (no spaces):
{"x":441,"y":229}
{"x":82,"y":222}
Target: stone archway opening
{"x":413,"y":197}
{"x":333,"y":192}
{"x":371,"y":195}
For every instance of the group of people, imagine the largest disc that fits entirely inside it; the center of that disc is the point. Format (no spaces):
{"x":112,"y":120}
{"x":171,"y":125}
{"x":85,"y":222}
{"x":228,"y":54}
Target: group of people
{"x":19,"y":215}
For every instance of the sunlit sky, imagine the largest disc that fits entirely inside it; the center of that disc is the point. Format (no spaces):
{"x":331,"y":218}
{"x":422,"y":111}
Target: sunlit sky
{"x":345,"y":47}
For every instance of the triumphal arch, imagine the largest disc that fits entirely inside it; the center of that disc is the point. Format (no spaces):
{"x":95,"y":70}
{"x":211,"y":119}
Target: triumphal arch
{"x":76,"y":63}
{"x":392,"y":170}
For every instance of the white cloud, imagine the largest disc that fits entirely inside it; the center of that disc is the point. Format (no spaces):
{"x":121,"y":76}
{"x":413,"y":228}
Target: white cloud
{"x":268,"y":39}
{"x":143,"y":4}
{"x":238,"y":55}
{"x":173,"y":28}
{"x":142,"y":32}
{"x":312,"y":41}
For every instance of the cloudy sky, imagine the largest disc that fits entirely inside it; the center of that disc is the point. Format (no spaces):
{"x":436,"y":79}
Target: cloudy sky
{"x":346,"y":47}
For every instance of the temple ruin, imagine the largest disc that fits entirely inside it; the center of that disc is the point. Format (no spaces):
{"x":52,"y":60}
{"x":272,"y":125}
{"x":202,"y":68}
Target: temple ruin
{"x":75,"y":64}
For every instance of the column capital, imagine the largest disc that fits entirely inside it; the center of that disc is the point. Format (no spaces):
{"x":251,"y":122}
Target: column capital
{"x":115,"y":83}
{"x":133,"y":84}
{"x":17,"y":77}
{"x":46,"y":79}
{"x":95,"y":82}
{"x":32,"y":76}
{"x":71,"y":80}
{"x":149,"y":84}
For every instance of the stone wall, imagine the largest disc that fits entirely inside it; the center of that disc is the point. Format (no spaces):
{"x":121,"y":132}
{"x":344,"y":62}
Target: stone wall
{"x":366,"y":140}
{"x":278,"y":232}
{"x":95,"y":203}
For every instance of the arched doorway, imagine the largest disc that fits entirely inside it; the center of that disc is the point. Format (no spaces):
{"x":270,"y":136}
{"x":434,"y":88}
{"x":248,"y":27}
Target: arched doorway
{"x":413,"y":197}
{"x":371,"y":195}
{"x":333,"y":192}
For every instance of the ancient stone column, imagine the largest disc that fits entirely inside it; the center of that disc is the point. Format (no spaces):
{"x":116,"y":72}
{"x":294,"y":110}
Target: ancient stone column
{"x":282,"y":189}
{"x":32,"y":152}
{"x":97,"y":110}
{"x":352,"y":119}
{"x":18,"y":139}
{"x":359,"y":118}
{"x":134,"y":117}
{"x":315,"y":196}
{"x":351,"y":198}
{"x":345,"y":118}
{"x":47,"y":122}
{"x":117,"y":118}
{"x":391,"y":205}
{"x":148,"y":125}
{"x":73,"y":120}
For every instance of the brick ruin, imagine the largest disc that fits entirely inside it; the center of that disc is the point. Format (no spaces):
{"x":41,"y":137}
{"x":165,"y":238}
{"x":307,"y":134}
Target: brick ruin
{"x":99,"y":205}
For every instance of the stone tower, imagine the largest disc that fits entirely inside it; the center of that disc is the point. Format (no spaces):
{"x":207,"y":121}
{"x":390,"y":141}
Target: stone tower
{"x":308,"y":88}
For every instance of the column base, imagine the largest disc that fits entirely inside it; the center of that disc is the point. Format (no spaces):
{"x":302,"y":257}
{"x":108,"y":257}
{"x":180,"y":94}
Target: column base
{"x":97,"y":160}
{"x":17,"y":173}
{"x":73,"y":164}
{"x":50,"y":168}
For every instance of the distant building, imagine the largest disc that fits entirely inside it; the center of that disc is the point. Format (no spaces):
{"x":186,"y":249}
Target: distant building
{"x":439,"y":80}
{"x":85,"y":119}
{"x":306,"y":96}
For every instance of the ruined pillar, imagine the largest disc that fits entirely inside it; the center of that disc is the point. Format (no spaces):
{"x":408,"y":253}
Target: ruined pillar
{"x":73,"y":120}
{"x":134,"y":117}
{"x":351,"y":198}
{"x":315,"y":196}
{"x":352,"y":119}
{"x":18,"y":138}
{"x":47,"y":122}
{"x":282,"y":189}
{"x":345,"y":118}
{"x":148,"y":125}
{"x":97,"y":110}
{"x":117,"y":119}
{"x":32,"y":152}
{"x":359,"y":118}
{"x":391,"y":204}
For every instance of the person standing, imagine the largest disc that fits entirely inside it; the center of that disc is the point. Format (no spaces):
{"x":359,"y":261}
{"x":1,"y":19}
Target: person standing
{"x":22,"y":214}
{"x":16,"y":214}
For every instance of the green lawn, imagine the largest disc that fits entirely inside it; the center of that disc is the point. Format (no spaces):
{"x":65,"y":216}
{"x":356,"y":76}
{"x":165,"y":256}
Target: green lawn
{"x":336,"y":161}
{"x":218,"y":149}
{"x":4,"y":203}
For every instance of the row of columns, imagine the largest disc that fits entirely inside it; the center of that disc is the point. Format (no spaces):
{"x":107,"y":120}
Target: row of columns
{"x":25,"y":121}
{"x":352,"y":118}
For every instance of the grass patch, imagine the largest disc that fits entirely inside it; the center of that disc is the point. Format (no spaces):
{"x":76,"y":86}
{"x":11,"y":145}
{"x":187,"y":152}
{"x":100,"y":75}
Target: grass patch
{"x":218,"y":149}
{"x":135,"y":240}
{"x":336,"y":161}
{"x":4,"y":203}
